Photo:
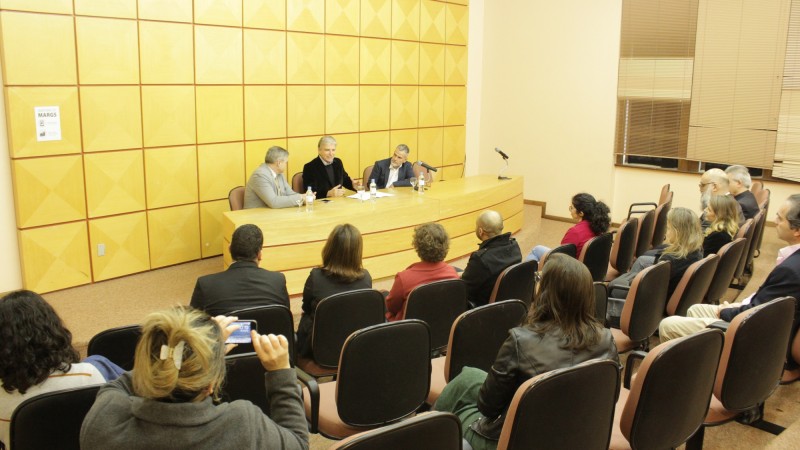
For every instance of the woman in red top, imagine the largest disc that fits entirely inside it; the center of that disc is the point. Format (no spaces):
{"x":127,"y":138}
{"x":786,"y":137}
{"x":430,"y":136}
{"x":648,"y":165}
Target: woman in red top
{"x":593,"y":219}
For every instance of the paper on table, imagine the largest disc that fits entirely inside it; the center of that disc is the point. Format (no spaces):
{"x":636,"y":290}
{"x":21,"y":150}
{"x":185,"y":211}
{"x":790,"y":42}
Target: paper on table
{"x":366,"y":195}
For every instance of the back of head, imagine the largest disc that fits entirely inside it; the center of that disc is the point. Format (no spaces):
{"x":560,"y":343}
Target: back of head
{"x":687,"y":236}
{"x":740,"y":174}
{"x":595,"y":212}
{"x":341,"y":256}
{"x":275,"y":154}
{"x":180,"y":356}
{"x":719,"y":178}
{"x":491,"y":222}
{"x":33,"y":341}
{"x":566,"y":302}
{"x":726,"y":212}
{"x":246,"y":242}
{"x":431,"y":242}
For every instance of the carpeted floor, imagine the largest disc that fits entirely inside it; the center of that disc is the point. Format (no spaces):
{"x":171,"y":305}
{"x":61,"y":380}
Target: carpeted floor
{"x":90,"y":309}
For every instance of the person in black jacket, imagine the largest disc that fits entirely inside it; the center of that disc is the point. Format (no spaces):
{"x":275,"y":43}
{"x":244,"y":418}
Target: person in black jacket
{"x":393,"y":172}
{"x":325,"y":174}
{"x":739,"y":182}
{"x":723,"y":216}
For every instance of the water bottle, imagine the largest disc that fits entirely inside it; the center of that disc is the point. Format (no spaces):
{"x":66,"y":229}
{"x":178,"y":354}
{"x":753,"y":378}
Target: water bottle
{"x":421,"y":183}
{"x":373,"y":189}
{"x":309,"y":200}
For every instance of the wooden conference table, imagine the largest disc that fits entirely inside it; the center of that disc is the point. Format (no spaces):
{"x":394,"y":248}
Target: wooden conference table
{"x":293,"y":238}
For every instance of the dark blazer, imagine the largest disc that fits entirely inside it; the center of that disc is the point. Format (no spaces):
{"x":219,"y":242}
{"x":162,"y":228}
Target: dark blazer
{"x":748,"y":203}
{"x":380,"y":173}
{"x":243,"y":285}
{"x":314,"y":175}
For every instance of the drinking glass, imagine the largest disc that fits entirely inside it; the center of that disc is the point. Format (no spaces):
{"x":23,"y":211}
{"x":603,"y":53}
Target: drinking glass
{"x":299,"y":203}
{"x":360,"y":191}
{"x":413,"y":181}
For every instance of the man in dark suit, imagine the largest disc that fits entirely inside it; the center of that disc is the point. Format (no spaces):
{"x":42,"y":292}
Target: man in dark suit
{"x":244,"y":284}
{"x":394,"y":171}
{"x":325,"y":174}
{"x":784,"y":280}
{"x":739,"y":181}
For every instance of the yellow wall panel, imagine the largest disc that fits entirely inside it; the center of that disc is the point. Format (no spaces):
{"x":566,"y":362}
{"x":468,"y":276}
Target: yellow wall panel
{"x":106,"y":8}
{"x":167,"y":53}
{"x":218,"y":55}
{"x":455,"y":105}
{"x":342,"y":17}
{"x":220,"y":168}
{"x":460,"y":2}
{"x":432,"y":64}
{"x":219,"y":114}
{"x":348,"y":150}
{"x":306,"y":110}
{"x":405,"y":19}
{"x":55,"y":257}
{"x":341,"y":60}
{"x":174,"y":235}
{"x":211,"y":227}
{"x":455,"y":66}
{"x":265,"y":14}
{"x":301,"y":150}
{"x":256,"y":151}
{"x":264,"y":57}
{"x":405,"y":106}
{"x":51,"y":6}
{"x":168,"y":115}
{"x":430,"y":145}
{"x":114,"y":182}
{"x":108,"y":51}
{"x":172,"y":10}
{"x":341,"y":109}
{"x":456,"y":24}
{"x":264,"y":111}
{"x":218,"y":12}
{"x":305,"y":58}
{"x":48,"y":190}
{"x":125,"y":245}
{"x":431,"y":106}
{"x":432,"y":21}
{"x":375,"y":105}
{"x":170,"y":176}
{"x":455,"y":140}
{"x":375,"y":61}
{"x":21,"y":119}
{"x":27,"y":37}
{"x":374,"y":146}
{"x":453,"y":173}
{"x":112,"y":117}
{"x":376,"y":18}
{"x":408,"y":137}
{"x":405,"y":62}
{"x":305,"y":15}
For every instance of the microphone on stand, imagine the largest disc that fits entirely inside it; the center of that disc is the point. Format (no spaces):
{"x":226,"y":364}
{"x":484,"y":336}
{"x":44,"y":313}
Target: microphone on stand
{"x":425,"y":165}
{"x":501,"y":153}
{"x":503,"y":170}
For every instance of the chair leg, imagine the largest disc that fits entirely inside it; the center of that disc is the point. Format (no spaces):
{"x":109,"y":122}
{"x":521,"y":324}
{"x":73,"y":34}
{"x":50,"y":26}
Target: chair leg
{"x":696,"y":441}
{"x":755,"y":419}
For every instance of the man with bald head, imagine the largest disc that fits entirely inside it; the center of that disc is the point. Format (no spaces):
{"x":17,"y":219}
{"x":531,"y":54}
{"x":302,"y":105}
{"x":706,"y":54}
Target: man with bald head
{"x":714,"y":182}
{"x":496,"y":252}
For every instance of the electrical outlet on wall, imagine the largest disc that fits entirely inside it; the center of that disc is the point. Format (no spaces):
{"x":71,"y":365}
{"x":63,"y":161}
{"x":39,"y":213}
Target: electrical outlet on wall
{"x":101,"y":249}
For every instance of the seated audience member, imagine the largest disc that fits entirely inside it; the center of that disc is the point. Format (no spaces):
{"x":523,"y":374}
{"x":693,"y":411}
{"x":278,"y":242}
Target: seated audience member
{"x":684,"y":247}
{"x":593,"y":217}
{"x":394,"y":171}
{"x":722,"y":214}
{"x":739,"y":184}
{"x":714,"y":182}
{"x":341,"y":271}
{"x":560,"y":331}
{"x":36,"y":355}
{"x":784,"y":280}
{"x":243,"y":284}
{"x":267,"y":185}
{"x":496,"y":252}
{"x":431,"y":243}
{"x":168,"y":400}
{"x":325,"y":174}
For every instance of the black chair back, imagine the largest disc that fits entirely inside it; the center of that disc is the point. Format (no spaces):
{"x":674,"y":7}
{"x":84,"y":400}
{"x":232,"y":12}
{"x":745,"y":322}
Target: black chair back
{"x":645,"y":303}
{"x":117,"y":344}
{"x":516,"y":282}
{"x":275,"y":319}
{"x":624,"y":245}
{"x":244,"y":380}
{"x":693,"y":286}
{"x":600,"y":301}
{"x":729,"y":256}
{"x":746,"y":231}
{"x":430,"y":430}
{"x":438,"y":304}
{"x":660,"y":226}
{"x":596,"y":253}
{"x":759,"y":221}
{"x":340,"y":315}
{"x":644,"y":237}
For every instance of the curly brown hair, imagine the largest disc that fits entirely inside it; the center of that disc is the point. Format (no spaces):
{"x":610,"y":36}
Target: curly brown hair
{"x":431,"y":242}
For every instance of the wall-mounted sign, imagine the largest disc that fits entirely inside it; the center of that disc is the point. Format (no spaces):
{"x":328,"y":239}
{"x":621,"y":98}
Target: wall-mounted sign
{"x":48,"y":123}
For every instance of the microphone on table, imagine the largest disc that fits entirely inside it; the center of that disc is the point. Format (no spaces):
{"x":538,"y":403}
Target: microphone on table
{"x":425,"y":165}
{"x":501,"y":153}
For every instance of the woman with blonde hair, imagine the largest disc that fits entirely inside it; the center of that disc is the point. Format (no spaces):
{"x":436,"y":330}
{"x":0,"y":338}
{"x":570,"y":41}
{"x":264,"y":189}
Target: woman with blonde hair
{"x":341,"y":271}
{"x":723,"y":214}
{"x":168,"y":400}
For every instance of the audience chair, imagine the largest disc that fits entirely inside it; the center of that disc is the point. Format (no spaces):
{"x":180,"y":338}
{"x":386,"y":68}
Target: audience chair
{"x":432,"y":430}
{"x":596,"y":253}
{"x":275,"y":319}
{"x":622,"y":249}
{"x":516,"y":282}
{"x":759,"y":221}
{"x":643,"y":309}
{"x":600,"y":301}
{"x":667,"y":400}
{"x":756,"y":186}
{"x":567,"y":249}
{"x":762,"y":197}
{"x":418,"y":170}
{"x":367,"y":173}
{"x":336,"y":317}
{"x":475,"y":338}
{"x":117,"y":344}
{"x":660,"y":226}
{"x":666,"y":195}
{"x":644,"y":236}
{"x":750,"y":367}
{"x":384,"y":376}
{"x":51,"y":420}
{"x":759,"y":234}
{"x":244,"y":380}
{"x":745,"y":231}
{"x":438,"y":304}
{"x":297,"y":183}
{"x":790,"y":375}
{"x":236,"y":198}
{"x":729,"y":256}
{"x":571,"y":408}
{"x":693,"y":286}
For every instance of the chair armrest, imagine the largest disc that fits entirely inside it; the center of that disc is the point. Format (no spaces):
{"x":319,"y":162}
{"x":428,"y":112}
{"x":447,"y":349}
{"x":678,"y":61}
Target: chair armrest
{"x":313,"y":390}
{"x":633,"y":205}
{"x":632,"y":357}
{"x":720,"y":325}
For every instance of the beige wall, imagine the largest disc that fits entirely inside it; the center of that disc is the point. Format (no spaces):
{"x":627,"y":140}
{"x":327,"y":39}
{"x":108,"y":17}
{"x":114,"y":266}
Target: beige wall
{"x":10,"y":277}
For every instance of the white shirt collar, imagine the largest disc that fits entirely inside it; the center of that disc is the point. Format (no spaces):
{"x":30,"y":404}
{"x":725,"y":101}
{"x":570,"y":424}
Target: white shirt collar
{"x":786,"y":252}
{"x":274,"y":174}
{"x":325,"y":163}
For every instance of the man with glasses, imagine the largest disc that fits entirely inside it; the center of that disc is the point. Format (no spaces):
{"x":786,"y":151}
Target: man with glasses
{"x":267,"y":186}
{"x":395,"y":171}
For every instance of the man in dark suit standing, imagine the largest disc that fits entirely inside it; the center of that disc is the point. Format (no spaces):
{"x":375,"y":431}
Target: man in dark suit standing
{"x":394,"y":171}
{"x":325,"y":174}
{"x":244,"y":284}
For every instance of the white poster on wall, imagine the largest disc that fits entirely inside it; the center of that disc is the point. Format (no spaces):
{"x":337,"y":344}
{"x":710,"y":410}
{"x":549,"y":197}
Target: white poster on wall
{"x":48,"y":123}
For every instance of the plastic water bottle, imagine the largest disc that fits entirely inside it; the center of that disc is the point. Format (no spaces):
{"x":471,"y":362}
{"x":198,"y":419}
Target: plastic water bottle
{"x":309,"y":200}
{"x":373,"y":189}
{"x":421,"y":183}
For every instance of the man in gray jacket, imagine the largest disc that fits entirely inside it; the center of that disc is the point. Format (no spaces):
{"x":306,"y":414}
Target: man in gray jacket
{"x":267,"y":186}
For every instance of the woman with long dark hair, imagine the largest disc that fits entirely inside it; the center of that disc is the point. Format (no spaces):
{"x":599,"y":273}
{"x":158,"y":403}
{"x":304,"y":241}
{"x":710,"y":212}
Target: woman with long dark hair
{"x":593,"y":220}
